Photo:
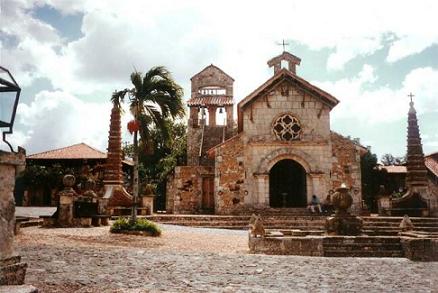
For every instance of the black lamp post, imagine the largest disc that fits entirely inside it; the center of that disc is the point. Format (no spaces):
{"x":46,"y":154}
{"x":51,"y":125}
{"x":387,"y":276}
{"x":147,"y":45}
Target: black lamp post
{"x":9,"y":96}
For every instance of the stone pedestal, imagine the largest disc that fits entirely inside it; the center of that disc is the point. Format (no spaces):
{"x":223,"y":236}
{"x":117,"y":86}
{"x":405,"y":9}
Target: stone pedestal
{"x":343,"y":223}
{"x":147,"y":202}
{"x":12,"y":271}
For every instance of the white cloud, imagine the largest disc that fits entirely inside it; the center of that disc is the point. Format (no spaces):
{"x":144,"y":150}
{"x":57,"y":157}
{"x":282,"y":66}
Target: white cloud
{"x":185,"y":36}
{"x":382,"y":104}
{"x":57,"y":119}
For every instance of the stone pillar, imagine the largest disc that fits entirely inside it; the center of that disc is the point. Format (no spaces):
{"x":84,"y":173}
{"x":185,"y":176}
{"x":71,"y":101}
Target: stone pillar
{"x":193,"y":119}
{"x":212,"y":115}
{"x":12,"y":271}
{"x":229,"y":110}
{"x":66,"y":199}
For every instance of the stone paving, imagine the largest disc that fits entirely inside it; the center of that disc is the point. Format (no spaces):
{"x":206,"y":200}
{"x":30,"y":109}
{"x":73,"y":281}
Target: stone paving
{"x":188,"y":259}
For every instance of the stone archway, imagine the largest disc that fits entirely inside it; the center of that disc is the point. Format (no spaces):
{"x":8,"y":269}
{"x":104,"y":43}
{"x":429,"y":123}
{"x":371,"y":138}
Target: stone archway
{"x":287,"y":185}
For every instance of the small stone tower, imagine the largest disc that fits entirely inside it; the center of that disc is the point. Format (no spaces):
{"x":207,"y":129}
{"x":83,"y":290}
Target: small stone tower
{"x":212,"y":92}
{"x":113,"y":168}
{"x":286,"y":57}
{"x":416,"y":169}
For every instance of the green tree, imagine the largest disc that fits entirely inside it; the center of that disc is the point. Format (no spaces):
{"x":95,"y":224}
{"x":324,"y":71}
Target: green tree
{"x":154,"y":98}
{"x":372,"y":178}
{"x":168,"y":152}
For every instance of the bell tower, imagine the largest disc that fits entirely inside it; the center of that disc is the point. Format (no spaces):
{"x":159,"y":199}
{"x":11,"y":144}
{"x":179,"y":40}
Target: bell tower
{"x":211,"y":94}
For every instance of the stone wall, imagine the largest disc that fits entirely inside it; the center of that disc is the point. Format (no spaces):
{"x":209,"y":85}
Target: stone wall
{"x":346,"y":167}
{"x":229,"y":177}
{"x":259,"y":115}
{"x":263,"y":150}
{"x":194,"y":135}
{"x":212,"y":76}
{"x":184,"y":189}
{"x":12,"y":270}
{"x":9,"y":162}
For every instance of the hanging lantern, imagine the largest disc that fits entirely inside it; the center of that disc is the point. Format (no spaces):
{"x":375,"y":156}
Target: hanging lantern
{"x":133,"y":126}
{"x":221,"y":110}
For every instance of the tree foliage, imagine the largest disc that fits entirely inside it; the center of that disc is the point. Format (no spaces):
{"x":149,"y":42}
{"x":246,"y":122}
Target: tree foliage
{"x":389,"y":159}
{"x":372,"y":179}
{"x":155,"y":101}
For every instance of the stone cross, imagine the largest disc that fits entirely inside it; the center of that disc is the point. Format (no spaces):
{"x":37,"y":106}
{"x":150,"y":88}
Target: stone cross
{"x":411,"y":95}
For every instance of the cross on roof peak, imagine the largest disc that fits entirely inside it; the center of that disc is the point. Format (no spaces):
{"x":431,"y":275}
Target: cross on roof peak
{"x":411,"y":95}
{"x":284,"y":44}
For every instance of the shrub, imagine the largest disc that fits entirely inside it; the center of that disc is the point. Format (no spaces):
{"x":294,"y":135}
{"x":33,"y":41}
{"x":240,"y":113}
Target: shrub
{"x":123,"y":224}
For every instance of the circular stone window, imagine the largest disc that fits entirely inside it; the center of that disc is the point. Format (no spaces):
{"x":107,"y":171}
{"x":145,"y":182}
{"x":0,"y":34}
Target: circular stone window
{"x":287,"y":127}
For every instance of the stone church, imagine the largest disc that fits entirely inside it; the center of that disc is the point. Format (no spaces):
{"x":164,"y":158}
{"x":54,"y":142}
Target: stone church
{"x":278,"y":154}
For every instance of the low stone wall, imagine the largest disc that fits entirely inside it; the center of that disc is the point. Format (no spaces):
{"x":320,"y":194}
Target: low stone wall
{"x":305,"y":246}
{"x":416,"y":249}
{"x":420,"y":249}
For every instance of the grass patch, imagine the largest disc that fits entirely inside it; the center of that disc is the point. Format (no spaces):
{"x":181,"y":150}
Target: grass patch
{"x":142,"y":225}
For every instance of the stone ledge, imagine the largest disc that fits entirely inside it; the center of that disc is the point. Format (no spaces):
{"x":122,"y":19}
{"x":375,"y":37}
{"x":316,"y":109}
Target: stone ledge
{"x":18,"y":289}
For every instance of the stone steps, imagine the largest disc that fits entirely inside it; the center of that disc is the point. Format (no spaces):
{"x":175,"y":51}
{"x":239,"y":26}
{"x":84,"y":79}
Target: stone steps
{"x":363,"y":247}
{"x":372,"y":225}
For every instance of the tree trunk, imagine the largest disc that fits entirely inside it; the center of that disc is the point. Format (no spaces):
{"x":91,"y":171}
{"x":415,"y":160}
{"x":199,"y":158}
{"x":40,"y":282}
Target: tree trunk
{"x":135,"y":183}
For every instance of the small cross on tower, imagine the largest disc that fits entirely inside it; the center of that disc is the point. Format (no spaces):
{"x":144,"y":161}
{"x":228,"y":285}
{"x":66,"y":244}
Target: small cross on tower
{"x":411,"y":95}
{"x":283,"y":44}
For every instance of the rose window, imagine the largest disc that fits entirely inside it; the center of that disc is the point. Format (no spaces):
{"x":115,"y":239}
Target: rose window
{"x":287,"y":127}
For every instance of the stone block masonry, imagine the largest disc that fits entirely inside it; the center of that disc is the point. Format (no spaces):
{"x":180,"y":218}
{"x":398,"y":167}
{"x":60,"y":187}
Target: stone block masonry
{"x":12,"y":270}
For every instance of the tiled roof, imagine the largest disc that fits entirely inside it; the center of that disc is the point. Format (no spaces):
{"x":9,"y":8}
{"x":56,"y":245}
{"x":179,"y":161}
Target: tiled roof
{"x":431,"y":163}
{"x":76,"y":151}
{"x":211,"y":100}
{"x":394,"y":169}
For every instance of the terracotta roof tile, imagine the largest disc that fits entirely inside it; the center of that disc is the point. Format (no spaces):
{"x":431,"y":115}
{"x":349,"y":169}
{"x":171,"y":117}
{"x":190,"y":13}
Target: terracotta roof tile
{"x":431,"y":164}
{"x":211,"y":100}
{"x":76,"y":151}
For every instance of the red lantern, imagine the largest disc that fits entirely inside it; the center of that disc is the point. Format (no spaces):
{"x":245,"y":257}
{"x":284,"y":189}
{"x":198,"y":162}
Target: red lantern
{"x":133,"y":126}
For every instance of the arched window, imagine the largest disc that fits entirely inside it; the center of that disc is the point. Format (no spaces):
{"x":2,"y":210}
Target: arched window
{"x":287,"y":127}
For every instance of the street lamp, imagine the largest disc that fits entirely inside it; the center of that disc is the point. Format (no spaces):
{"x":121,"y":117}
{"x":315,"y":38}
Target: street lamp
{"x":9,"y":96}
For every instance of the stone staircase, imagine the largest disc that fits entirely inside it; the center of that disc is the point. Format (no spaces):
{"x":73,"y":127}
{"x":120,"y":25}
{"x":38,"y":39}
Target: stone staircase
{"x":362,"y":246}
{"x":383,"y":226}
{"x":389,"y":226}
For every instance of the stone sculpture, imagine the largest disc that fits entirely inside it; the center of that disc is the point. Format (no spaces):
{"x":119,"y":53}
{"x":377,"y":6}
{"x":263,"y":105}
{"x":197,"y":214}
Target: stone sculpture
{"x":256,"y":226}
{"x":406,"y":224}
{"x":343,"y":223}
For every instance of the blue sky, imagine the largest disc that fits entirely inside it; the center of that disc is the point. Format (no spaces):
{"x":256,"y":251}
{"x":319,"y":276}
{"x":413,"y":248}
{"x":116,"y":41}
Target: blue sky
{"x":69,"y":56}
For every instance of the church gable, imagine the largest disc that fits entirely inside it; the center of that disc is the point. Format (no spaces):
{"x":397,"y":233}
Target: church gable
{"x":284,"y":111}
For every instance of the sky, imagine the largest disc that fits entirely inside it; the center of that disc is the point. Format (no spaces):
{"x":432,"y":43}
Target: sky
{"x":68,"y":56}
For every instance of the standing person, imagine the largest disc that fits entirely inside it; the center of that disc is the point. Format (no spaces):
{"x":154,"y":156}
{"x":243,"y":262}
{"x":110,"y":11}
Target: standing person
{"x":314,"y":203}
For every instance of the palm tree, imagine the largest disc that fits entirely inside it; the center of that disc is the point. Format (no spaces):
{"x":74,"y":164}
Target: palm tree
{"x":154,"y":98}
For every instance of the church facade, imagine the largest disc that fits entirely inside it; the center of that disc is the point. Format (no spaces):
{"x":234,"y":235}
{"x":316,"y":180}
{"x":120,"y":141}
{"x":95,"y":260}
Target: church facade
{"x":280,"y":152}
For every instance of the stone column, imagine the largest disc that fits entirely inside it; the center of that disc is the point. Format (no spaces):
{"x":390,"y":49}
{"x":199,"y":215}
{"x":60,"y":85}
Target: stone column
{"x":229,"y":110}
{"x":193,"y":119}
{"x":212,"y":115}
{"x":12,"y":271}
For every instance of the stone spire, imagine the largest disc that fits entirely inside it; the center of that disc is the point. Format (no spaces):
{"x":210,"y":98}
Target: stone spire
{"x":416,"y":169}
{"x":113,"y":167}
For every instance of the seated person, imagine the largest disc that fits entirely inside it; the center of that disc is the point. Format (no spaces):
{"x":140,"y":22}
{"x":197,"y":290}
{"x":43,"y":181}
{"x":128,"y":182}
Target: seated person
{"x":314,"y":203}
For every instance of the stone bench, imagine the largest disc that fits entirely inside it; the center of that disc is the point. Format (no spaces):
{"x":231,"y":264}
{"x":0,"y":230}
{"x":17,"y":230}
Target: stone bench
{"x":126,"y":211}
{"x":100,"y":220}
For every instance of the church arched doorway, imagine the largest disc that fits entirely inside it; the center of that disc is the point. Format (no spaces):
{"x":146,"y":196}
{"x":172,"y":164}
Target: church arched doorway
{"x":287,"y":185}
